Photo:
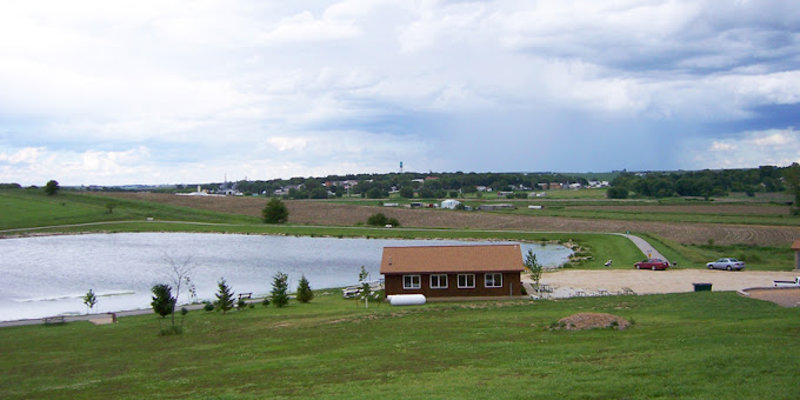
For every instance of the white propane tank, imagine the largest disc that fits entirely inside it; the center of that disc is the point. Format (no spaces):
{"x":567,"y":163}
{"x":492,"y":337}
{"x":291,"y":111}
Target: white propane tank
{"x":407,"y":299}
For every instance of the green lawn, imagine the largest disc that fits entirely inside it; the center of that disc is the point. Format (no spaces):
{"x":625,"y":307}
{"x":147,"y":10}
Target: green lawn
{"x":31,"y":208}
{"x":756,"y":258}
{"x":689,"y":346}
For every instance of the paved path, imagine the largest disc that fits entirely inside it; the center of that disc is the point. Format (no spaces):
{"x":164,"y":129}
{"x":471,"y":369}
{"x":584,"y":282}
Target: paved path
{"x":647,"y":249}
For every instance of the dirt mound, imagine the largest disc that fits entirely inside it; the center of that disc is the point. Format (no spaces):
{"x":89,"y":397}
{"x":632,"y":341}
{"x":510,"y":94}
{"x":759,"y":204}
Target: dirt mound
{"x":581,"y":321}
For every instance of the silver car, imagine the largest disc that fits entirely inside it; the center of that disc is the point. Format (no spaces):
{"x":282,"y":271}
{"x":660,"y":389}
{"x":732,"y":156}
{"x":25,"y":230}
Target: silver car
{"x":726,"y":263}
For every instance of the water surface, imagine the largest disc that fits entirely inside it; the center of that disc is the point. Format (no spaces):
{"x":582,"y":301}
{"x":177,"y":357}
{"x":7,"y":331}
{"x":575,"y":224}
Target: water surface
{"x":45,"y":276}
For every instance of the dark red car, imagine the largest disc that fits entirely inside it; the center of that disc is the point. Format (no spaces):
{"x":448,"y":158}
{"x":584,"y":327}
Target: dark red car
{"x":653,"y":263}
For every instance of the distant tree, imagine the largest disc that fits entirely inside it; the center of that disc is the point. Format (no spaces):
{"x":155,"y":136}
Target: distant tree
{"x":90,"y":300}
{"x":224,"y":296}
{"x":407,"y":192}
{"x":51,"y":188}
{"x":275,"y":212}
{"x":617,"y":193}
{"x":427,"y":193}
{"x":380,"y":219}
{"x":376,"y":193}
{"x":304,"y":292}
{"x":534,"y":268}
{"x":110,"y":207}
{"x":280,"y":285}
{"x":791,"y":176}
{"x":163,"y":303}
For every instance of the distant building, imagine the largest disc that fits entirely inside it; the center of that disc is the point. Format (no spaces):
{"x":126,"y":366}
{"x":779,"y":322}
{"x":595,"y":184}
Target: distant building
{"x":450,"y":204}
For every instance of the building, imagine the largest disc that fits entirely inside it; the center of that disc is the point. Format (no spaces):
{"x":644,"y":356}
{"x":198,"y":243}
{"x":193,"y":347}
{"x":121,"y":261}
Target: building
{"x":450,"y":204}
{"x":453,"y":271}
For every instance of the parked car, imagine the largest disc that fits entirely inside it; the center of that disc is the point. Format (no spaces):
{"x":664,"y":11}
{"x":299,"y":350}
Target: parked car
{"x":726,"y":263}
{"x":652,"y":263}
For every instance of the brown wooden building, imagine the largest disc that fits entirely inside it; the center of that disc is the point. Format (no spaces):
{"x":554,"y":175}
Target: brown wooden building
{"x":453,"y":271}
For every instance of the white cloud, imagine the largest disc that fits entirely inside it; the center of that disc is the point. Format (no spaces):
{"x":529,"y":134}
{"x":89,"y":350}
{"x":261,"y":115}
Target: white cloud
{"x":28,"y":155}
{"x":748,"y":149}
{"x":304,"y":77}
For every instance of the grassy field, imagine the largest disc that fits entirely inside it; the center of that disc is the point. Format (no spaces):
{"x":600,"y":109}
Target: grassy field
{"x":687,"y":346}
{"x":758,"y":258}
{"x":32,"y":208}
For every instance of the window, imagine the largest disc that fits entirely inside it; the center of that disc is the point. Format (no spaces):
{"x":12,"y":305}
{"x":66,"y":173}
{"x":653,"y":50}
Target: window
{"x":411,"y":282}
{"x":438,"y":281}
{"x":494,"y":279}
{"x":466,"y":281}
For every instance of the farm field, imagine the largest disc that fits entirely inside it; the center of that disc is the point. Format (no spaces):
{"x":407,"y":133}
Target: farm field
{"x":329,"y":348}
{"x":332,"y":213}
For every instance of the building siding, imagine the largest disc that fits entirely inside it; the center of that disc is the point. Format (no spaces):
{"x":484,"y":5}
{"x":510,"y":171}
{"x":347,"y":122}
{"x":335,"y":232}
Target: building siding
{"x":511,"y":286}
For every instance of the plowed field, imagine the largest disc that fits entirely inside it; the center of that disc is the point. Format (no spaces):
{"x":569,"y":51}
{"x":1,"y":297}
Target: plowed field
{"x":326,"y":213}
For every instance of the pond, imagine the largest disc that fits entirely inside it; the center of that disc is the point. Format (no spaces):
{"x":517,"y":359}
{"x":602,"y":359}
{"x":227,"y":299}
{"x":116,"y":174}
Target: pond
{"x":44,"y":276}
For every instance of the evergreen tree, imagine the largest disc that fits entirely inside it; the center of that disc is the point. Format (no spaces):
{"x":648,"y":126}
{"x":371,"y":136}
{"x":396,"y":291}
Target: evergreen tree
{"x":90,"y":300}
{"x":280,"y":285}
{"x":224,"y":296}
{"x":304,"y":293}
{"x":163,"y":303}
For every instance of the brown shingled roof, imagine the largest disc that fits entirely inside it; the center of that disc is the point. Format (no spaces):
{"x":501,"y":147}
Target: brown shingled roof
{"x":796,"y":245}
{"x":476,"y":258}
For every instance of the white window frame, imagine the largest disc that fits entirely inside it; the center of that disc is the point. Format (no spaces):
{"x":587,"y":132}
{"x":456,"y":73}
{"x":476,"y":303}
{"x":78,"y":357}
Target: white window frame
{"x":494,"y":281}
{"x":439,"y":281}
{"x":465,"y":286}
{"x":413,"y":278}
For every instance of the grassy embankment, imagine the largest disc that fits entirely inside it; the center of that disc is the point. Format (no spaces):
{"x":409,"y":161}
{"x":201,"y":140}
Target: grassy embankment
{"x":26,"y":208}
{"x":693,"y":346}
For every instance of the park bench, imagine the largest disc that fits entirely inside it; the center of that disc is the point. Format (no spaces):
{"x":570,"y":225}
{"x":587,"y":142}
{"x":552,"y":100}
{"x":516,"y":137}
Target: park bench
{"x":248,"y":295}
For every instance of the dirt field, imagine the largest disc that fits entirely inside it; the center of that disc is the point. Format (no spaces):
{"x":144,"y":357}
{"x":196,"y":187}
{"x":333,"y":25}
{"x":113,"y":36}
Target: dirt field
{"x":567,"y":282}
{"x":326,"y":213}
{"x":734,"y":209}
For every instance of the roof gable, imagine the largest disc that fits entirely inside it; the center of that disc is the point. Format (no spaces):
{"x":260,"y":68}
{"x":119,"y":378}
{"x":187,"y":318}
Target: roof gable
{"x":475,"y":258}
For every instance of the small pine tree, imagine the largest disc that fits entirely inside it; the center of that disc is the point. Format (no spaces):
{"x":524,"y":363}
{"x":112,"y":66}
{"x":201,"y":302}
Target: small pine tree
{"x":90,"y":300}
{"x":304,"y":293}
{"x":534,"y":268}
{"x":163,"y":303}
{"x":224,"y":296}
{"x":280,"y":285}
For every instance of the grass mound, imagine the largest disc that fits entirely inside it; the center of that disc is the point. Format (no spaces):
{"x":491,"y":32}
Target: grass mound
{"x":581,"y":321}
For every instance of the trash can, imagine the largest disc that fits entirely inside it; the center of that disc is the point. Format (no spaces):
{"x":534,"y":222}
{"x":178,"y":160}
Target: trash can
{"x":702,"y":287}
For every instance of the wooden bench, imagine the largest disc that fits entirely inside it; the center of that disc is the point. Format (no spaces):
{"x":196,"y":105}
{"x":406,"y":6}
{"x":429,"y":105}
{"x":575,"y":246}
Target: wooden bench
{"x":246,"y":295}
{"x":57,"y":319}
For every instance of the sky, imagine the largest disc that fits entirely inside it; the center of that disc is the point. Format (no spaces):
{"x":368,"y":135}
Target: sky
{"x":160,"y":92}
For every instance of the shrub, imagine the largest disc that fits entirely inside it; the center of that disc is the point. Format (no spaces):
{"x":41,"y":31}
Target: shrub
{"x":275,"y":212}
{"x":241,"y":304}
{"x":208,"y":307}
{"x":265,"y":302}
{"x":304,"y":292}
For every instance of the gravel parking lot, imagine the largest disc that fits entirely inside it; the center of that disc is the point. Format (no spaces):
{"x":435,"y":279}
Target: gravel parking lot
{"x":567,"y":283}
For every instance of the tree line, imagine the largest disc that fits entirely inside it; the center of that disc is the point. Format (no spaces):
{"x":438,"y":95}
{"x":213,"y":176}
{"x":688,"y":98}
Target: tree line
{"x":705,"y":183}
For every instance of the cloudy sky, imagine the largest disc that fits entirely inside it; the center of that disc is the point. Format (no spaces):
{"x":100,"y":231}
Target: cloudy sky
{"x":121,"y":92}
